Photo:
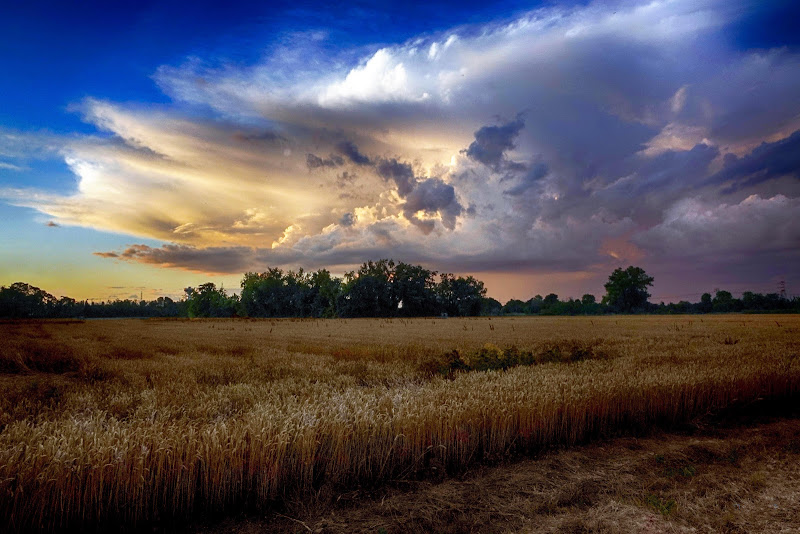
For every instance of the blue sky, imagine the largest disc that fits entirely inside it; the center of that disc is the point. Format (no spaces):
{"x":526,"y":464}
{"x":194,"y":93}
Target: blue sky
{"x":62,"y":52}
{"x":537,"y":145}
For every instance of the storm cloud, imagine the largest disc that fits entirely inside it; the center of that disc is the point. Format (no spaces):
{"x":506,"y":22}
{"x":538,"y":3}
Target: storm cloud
{"x":350,"y":150}
{"x":432,"y":196}
{"x":492,"y":142}
{"x":579,"y":138}
{"x":400,"y":173}
{"x":767,"y":161}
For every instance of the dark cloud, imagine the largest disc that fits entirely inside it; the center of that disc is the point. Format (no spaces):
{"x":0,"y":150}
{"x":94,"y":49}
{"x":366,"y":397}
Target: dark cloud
{"x":402,"y":174}
{"x":350,"y":150}
{"x":616,"y":103}
{"x":432,"y":196}
{"x":693,"y":228}
{"x":204,"y":260}
{"x":754,"y":95}
{"x":315,"y":162}
{"x":537,"y":171}
{"x":766,"y":162}
{"x":645,"y":185}
{"x":259,"y":136}
{"x":491,"y":143}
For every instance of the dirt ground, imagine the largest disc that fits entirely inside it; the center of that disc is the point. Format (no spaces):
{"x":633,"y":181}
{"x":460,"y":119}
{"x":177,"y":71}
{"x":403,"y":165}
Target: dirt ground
{"x":725,"y":476}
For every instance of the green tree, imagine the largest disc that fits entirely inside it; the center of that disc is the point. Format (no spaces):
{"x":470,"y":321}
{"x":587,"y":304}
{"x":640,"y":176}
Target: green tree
{"x":705,"y":303}
{"x":459,"y":296}
{"x":490,"y":306}
{"x":589,"y":305}
{"x":549,"y":305}
{"x":414,"y":288}
{"x":208,"y":301}
{"x":263,"y":294}
{"x":368,"y":292}
{"x":535,"y":304}
{"x":324,"y":291}
{"x":515,"y":307}
{"x":724,"y":302}
{"x":24,"y":300}
{"x":626,"y":290}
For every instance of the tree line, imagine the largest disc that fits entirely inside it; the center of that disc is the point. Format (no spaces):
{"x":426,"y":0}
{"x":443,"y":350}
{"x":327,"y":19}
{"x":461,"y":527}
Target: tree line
{"x":380,"y":288}
{"x":626,"y":292}
{"x":721,"y":302}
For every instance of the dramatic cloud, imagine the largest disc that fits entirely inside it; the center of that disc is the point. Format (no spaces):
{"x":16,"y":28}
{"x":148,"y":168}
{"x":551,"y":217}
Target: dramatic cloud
{"x":402,"y":174}
{"x":207,"y":260}
{"x":349,"y":149}
{"x":529,"y":179}
{"x":694,"y":228}
{"x":565,"y":140}
{"x":766,"y":162}
{"x":491,"y":143}
{"x":432,"y":197}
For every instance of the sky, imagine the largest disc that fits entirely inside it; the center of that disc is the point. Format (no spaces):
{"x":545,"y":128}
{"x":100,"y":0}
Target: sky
{"x":150,"y":146}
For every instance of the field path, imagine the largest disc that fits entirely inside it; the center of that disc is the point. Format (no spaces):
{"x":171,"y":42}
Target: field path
{"x":720,"y":478}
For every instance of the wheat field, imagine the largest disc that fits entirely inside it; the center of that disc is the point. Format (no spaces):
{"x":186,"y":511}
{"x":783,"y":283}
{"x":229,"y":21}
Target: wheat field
{"x":135,"y":421}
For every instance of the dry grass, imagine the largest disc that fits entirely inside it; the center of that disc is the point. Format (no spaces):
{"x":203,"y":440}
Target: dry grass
{"x":666,"y":483}
{"x":137,"y":421}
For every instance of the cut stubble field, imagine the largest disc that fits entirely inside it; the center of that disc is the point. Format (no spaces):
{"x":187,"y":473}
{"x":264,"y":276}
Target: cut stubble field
{"x":140,"y":421}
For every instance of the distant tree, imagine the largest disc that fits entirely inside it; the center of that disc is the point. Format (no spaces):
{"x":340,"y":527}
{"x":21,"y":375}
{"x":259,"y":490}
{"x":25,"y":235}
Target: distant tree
{"x":208,"y":301}
{"x":24,"y":300}
{"x":515,"y":307}
{"x":325,"y":289}
{"x":751,"y":301}
{"x":626,"y":290}
{"x":459,"y":296}
{"x":368,"y":292}
{"x":264,"y":294}
{"x":490,"y":306}
{"x":705,"y":305}
{"x":549,"y":305}
{"x":535,"y":304}
{"x":724,"y":302}
{"x":590,"y":306}
{"x":414,"y":289}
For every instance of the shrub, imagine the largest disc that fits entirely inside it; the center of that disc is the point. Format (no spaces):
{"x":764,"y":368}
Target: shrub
{"x":663,"y":506}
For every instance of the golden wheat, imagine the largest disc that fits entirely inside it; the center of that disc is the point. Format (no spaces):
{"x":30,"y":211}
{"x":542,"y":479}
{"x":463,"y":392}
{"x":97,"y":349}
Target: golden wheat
{"x":134,"y":421}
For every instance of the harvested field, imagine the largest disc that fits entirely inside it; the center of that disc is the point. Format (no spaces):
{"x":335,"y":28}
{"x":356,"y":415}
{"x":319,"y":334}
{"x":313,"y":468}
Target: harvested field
{"x":131,"y":422}
{"x":709,"y":477}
